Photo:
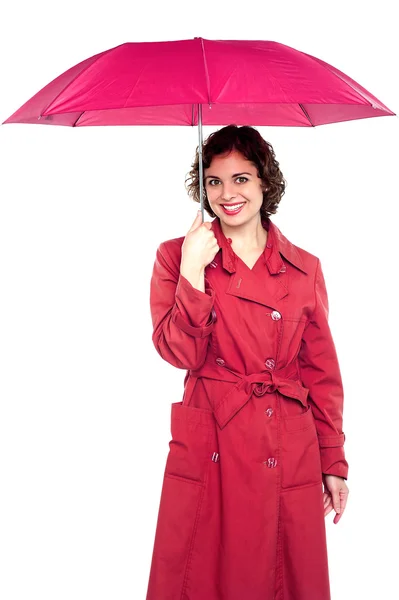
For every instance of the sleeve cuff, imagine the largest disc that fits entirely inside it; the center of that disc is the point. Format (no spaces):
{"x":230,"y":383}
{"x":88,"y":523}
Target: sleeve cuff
{"x":326,"y":441}
{"x":194,"y":312}
{"x":333,"y":461}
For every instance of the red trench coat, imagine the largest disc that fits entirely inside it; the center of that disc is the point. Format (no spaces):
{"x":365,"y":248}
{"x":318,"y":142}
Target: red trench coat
{"x":241,"y":512}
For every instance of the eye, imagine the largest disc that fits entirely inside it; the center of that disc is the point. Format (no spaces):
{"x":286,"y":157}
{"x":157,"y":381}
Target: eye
{"x":211,"y":180}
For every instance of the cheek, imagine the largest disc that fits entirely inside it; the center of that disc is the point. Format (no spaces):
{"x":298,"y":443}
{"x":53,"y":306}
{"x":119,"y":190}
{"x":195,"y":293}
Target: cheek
{"x":212,"y":194}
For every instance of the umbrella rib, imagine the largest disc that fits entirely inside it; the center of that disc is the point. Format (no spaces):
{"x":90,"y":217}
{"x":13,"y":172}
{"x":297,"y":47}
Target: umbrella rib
{"x":81,"y":114}
{"x":306,"y":114}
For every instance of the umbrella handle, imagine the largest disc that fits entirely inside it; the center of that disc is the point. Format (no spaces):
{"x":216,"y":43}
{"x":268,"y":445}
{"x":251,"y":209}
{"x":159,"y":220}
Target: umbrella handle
{"x":201,"y":176}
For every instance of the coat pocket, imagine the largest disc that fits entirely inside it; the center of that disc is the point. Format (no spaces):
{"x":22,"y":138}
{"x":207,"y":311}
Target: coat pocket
{"x":193,"y":430}
{"x":186,"y":470}
{"x":300,"y":452}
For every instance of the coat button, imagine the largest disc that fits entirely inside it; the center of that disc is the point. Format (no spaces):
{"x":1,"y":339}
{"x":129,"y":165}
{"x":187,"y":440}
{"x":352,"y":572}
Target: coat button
{"x":283,"y":269}
{"x":275,"y":315}
{"x":270,"y":462}
{"x":220,"y":361}
{"x":270,"y":364}
{"x":269,"y":412}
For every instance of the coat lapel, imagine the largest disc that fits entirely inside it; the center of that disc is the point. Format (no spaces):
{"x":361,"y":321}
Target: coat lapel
{"x":245,"y":284}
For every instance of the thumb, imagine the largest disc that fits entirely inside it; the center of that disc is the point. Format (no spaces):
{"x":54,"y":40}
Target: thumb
{"x":197,"y":221}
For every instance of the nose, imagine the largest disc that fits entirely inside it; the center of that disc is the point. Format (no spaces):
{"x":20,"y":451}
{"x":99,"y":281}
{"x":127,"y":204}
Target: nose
{"x":228,"y":192}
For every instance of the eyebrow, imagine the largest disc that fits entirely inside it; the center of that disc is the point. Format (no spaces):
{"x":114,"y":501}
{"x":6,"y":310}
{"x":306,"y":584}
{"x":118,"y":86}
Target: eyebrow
{"x":235,"y":175}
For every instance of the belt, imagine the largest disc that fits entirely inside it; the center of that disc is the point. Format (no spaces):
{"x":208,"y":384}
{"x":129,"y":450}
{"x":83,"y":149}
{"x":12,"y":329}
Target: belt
{"x":284,"y":380}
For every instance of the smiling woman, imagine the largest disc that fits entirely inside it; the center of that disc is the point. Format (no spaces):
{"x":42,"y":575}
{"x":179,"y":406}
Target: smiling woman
{"x":258,"y":432}
{"x":255,"y":158}
{"x":242,"y":184}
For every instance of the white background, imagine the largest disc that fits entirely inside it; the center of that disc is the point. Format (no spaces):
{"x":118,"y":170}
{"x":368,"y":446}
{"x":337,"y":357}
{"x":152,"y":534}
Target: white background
{"x":85,"y":398}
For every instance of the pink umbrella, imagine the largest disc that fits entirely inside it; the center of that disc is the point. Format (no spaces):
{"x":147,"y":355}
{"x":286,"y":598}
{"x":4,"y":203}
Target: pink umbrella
{"x":200,"y":82}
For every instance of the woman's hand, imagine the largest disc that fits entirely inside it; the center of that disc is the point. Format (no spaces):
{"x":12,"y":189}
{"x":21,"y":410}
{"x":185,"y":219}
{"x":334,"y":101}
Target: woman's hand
{"x":199,"y":246}
{"x":335,"y":495}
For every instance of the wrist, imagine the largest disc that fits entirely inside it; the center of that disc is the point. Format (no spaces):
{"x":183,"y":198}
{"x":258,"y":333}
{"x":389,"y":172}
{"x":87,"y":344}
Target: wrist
{"x":191,"y":270}
{"x":195,"y":276}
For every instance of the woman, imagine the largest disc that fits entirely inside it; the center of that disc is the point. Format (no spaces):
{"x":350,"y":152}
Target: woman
{"x":256,"y":458}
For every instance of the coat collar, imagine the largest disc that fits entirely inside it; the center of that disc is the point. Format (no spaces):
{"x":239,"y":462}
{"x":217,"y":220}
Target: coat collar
{"x":279,"y":244}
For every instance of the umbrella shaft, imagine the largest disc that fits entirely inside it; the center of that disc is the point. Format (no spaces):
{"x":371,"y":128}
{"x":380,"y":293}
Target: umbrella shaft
{"x":201,"y":177}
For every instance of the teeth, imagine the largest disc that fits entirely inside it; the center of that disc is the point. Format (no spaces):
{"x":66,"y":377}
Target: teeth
{"x":234,"y":207}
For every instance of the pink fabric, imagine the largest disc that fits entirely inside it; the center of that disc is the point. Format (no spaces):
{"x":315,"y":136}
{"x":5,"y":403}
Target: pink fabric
{"x":236,"y":81}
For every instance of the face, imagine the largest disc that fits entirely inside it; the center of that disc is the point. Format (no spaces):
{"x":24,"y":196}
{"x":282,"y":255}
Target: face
{"x":231,"y":179}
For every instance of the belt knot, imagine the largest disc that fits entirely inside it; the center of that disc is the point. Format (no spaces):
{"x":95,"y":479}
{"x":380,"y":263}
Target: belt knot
{"x":266,"y":382}
{"x":264,"y":387}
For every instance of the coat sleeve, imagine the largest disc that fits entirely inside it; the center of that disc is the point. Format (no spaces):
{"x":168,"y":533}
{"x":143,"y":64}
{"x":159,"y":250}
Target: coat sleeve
{"x":320,"y":373}
{"x":182,"y":316}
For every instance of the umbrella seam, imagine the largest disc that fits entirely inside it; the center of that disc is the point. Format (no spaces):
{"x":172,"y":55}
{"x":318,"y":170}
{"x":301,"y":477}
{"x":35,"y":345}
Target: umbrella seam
{"x":135,"y":84}
{"x":334,"y":71}
{"x":206,"y":72}
{"x":99,"y":56}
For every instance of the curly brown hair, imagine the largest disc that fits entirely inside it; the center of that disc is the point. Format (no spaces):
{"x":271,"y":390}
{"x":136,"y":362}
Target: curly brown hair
{"x":251,"y":144}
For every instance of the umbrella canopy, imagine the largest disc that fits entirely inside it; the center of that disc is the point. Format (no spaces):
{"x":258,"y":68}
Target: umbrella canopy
{"x":200,"y":82}
{"x":233,"y":81}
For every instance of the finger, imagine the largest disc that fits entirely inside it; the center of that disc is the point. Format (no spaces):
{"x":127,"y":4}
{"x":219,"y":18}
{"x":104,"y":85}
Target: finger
{"x":343,"y":501}
{"x":197,"y":221}
{"x":337,"y":517}
{"x":336,"y":500}
{"x":328,"y":510}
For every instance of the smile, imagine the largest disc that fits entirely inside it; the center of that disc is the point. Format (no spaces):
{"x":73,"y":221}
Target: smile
{"x":233,"y":208}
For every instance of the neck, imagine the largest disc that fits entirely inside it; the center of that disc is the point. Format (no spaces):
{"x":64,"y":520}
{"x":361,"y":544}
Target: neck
{"x":250,"y":235}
